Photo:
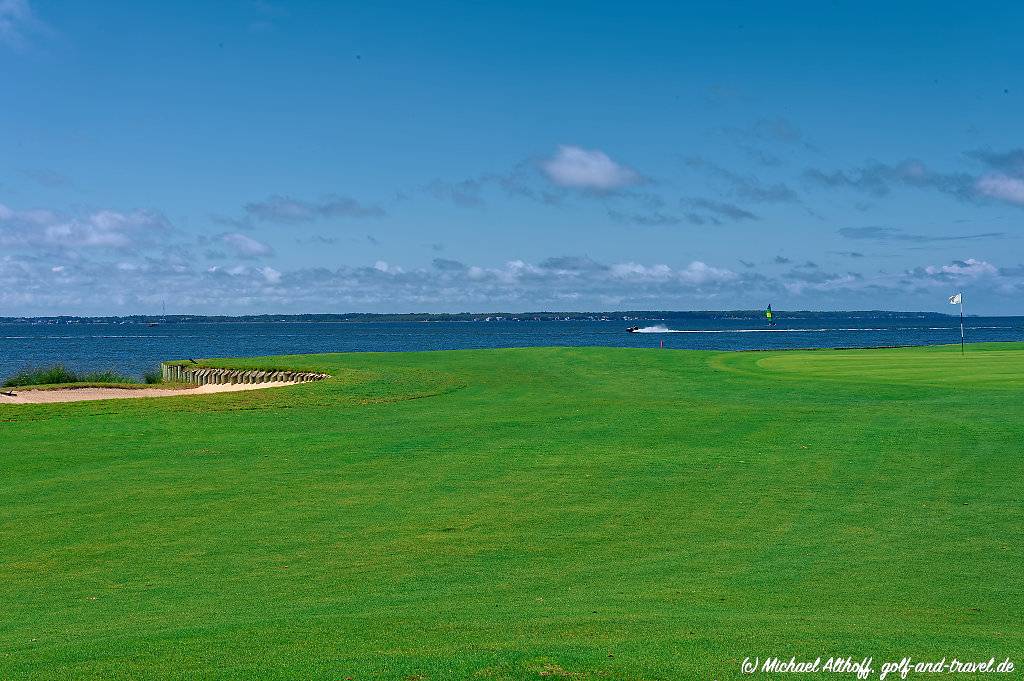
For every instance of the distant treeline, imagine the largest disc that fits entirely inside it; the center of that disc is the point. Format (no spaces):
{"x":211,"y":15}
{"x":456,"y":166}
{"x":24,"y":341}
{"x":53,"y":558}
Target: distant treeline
{"x":621,"y":315}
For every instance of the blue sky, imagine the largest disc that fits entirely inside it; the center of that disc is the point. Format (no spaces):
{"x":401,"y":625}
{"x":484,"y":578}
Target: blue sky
{"x":252,"y":156}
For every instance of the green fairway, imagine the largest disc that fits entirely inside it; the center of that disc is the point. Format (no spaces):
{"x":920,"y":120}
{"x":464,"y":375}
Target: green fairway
{"x":513,"y":514}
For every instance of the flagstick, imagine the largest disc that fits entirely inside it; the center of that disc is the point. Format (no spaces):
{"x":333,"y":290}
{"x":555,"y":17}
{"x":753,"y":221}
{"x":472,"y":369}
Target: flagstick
{"x":961,"y":323}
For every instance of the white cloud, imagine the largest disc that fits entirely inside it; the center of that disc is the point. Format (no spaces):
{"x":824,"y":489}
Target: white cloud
{"x":969,"y":268}
{"x":112,"y":285}
{"x":830,"y":282}
{"x":102,"y":282}
{"x":244,"y":246}
{"x":635,"y":271}
{"x":696,"y":273}
{"x":580,"y":168}
{"x":1003,"y":187}
{"x":271,"y":275}
{"x":102,"y":229}
{"x":699,"y":273}
{"x":386,"y":268}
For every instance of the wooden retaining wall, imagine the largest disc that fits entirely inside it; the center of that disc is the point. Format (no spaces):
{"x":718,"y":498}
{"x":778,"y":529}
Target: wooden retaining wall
{"x":180,"y":373}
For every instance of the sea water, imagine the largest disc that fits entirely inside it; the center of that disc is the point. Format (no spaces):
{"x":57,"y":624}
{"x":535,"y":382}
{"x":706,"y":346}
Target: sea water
{"x":135,"y":348}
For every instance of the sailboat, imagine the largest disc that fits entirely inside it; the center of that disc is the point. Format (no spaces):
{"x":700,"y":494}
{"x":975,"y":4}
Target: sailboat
{"x":163,"y":315}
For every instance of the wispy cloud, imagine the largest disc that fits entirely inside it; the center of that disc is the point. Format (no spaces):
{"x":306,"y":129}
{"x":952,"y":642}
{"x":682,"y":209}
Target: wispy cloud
{"x":446,"y":265}
{"x":800,"y":282}
{"x":722,"y":208}
{"x":267,"y":15}
{"x":47,"y":284}
{"x":45,"y":177}
{"x":287,"y":210}
{"x":18,"y":23}
{"x":318,"y":239}
{"x":696,"y":273}
{"x":1002,"y":187}
{"x":523,"y":182}
{"x":111,"y":281}
{"x":745,"y":186}
{"x":103,"y":229}
{"x":775,"y":131}
{"x":463,"y":193}
{"x":572,"y":263}
{"x":1010,"y":162}
{"x":244,"y":246}
{"x":874,"y":180}
{"x":879,"y":179}
{"x":1017,"y":271}
{"x":1003,"y":179}
{"x":653,"y":218}
{"x":571,"y":173}
{"x":876,"y":233}
{"x":694,"y":211}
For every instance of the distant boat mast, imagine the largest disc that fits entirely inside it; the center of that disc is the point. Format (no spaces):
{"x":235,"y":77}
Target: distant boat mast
{"x":163,"y":314}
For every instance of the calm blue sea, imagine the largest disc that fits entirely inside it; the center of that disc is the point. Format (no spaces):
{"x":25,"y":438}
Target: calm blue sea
{"x":134,"y":348}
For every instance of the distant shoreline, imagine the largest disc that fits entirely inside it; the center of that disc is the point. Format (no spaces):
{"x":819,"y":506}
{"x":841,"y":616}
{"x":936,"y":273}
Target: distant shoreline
{"x":359,"y":317}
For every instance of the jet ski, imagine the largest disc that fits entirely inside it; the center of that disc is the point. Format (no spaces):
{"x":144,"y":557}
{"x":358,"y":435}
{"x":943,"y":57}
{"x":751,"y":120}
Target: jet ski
{"x":632,"y":329}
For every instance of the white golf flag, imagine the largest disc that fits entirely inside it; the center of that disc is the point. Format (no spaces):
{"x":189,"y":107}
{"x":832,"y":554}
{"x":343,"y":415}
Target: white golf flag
{"x":955,"y":300}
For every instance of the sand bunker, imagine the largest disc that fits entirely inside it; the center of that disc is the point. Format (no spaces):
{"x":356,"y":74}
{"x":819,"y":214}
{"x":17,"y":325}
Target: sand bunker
{"x":25,"y":396}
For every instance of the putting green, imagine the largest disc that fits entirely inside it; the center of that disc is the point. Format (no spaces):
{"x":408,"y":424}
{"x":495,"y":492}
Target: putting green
{"x":534,"y":513}
{"x":896,"y":366}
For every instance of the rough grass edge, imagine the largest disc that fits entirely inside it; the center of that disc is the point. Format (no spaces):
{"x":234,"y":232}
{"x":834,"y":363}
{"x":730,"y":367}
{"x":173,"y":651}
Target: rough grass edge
{"x":59,"y":376}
